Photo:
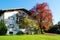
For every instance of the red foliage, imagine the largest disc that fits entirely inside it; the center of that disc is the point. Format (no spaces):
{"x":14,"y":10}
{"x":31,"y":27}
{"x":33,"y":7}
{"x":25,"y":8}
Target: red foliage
{"x":44,"y":12}
{"x":32,"y":13}
{"x":44,"y":5}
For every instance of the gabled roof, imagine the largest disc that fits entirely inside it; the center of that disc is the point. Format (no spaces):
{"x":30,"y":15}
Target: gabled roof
{"x":14,"y":9}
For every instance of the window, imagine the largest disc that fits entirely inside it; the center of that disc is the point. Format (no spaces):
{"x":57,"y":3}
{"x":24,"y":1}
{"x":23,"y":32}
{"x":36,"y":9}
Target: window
{"x":12,"y":18}
{"x":10,"y":32}
{"x":19,"y":13}
{"x":11,"y":26}
{"x":23,"y":13}
{"x":20,"y":20}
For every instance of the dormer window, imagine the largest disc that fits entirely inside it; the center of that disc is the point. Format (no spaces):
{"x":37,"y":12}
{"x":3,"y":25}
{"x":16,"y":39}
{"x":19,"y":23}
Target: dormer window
{"x":19,"y":13}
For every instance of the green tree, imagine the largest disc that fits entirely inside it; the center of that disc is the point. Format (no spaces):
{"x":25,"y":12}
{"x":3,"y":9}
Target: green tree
{"x":3,"y":28}
{"x":28,"y":23}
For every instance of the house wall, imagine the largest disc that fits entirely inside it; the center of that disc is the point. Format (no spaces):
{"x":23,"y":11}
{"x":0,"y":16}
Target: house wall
{"x":10,"y":20}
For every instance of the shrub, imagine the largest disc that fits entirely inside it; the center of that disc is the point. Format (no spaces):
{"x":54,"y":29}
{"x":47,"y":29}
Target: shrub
{"x":3,"y":28}
{"x":19,"y":33}
{"x":53,"y":29}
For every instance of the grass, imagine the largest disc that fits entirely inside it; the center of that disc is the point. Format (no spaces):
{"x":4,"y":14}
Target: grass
{"x":31,"y":37}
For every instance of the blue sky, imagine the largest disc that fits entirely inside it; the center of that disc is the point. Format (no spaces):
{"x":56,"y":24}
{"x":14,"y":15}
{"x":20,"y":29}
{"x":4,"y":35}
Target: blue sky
{"x":28,"y":4}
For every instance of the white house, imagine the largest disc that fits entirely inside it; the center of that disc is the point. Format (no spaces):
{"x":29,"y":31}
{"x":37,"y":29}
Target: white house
{"x":10,"y":17}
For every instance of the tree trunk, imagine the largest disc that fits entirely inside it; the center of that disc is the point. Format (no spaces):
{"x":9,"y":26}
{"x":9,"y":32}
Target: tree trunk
{"x":41,"y":27}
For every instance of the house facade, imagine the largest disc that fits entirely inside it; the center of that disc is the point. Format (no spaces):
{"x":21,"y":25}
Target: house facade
{"x":11,"y":17}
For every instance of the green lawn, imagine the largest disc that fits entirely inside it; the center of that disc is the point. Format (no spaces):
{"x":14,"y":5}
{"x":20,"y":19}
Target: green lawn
{"x":31,"y":37}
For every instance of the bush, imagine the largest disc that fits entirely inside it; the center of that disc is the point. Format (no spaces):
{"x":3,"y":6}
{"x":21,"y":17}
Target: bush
{"x":53,"y":29}
{"x":58,"y":31}
{"x":3,"y":28}
{"x":19,"y":33}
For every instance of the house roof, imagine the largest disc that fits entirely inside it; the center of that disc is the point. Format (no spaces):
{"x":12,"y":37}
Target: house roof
{"x":14,"y":9}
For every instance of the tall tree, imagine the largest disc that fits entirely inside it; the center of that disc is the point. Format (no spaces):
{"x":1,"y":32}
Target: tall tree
{"x":43,"y":14}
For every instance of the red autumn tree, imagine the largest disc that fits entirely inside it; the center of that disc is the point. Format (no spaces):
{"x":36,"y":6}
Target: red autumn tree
{"x":43,"y":14}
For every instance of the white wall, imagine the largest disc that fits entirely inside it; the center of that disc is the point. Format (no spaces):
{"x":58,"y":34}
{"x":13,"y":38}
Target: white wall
{"x":9,"y":21}
{"x":8,"y":14}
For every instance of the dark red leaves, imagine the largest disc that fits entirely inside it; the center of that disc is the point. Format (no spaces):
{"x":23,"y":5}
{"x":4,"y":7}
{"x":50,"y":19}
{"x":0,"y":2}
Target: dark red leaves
{"x":41,"y":10}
